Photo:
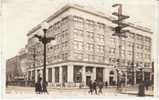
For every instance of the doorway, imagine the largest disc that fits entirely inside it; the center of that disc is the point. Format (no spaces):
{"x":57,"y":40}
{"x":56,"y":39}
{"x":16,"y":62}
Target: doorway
{"x":88,"y":78}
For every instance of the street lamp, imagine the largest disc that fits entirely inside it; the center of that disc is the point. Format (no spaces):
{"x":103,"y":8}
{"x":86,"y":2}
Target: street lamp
{"x":45,"y":40}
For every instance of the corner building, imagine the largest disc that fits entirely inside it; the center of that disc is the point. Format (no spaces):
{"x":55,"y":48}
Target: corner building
{"x":85,"y":48}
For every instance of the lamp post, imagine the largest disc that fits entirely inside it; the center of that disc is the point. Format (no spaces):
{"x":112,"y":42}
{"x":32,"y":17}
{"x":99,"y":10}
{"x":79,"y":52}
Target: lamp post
{"x":45,"y":40}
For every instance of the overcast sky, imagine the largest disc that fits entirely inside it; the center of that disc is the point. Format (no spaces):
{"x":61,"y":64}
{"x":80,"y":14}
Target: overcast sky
{"x":19,"y":16}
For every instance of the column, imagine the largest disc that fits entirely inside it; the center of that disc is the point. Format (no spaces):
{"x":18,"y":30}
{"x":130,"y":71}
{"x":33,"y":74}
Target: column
{"x":47,"y":74}
{"x":105,"y":75}
{"x":143,"y":75}
{"x":126,"y":78}
{"x":134,"y":77}
{"x":53,"y":75}
{"x":60,"y":74}
{"x":84,"y":75}
{"x":94,"y":74}
{"x":36,"y":76}
{"x":70,"y":73}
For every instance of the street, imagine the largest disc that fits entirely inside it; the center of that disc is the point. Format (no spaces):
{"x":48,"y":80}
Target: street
{"x":74,"y":92}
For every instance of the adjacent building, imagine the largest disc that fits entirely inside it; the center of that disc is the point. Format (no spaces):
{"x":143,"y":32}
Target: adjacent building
{"x":16,"y":67}
{"x":86,"y":50}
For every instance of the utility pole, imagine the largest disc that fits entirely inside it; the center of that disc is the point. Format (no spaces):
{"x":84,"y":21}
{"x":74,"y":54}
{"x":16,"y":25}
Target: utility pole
{"x":132,"y":64}
{"x":120,"y":33}
{"x":34,"y":59}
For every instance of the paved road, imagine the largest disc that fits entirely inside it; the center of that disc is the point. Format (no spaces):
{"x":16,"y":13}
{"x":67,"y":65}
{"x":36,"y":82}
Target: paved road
{"x":59,"y":92}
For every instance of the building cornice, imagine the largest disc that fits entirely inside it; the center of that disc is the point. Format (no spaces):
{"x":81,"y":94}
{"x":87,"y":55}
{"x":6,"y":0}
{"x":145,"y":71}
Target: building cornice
{"x":84,"y":9}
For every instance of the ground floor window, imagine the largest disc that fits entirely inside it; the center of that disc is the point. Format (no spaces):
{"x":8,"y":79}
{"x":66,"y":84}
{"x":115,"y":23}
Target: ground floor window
{"x":77,"y":74}
{"x":64,"y":74}
{"x":50,"y":75}
{"x":99,"y":74}
{"x":56,"y":74}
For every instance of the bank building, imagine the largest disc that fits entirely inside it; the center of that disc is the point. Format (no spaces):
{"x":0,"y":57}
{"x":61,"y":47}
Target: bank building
{"x":86,"y":50}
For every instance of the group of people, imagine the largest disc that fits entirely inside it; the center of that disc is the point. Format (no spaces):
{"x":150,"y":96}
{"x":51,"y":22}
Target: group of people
{"x":93,"y":86}
{"x":41,"y":87}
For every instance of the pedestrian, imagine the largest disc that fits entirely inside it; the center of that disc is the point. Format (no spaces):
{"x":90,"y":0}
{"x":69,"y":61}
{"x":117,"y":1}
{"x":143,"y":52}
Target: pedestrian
{"x":146,"y":85}
{"x":141,"y":89}
{"x":45,"y":87}
{"x":106,"y":84}
{"x":95,"y":86}
{"x":38,"y":86}
{"x":100,"y":85}
{"x":90,"y":84}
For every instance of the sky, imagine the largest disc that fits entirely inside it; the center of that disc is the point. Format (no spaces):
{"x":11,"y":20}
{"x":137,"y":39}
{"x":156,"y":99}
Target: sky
{"x":20,"y":16}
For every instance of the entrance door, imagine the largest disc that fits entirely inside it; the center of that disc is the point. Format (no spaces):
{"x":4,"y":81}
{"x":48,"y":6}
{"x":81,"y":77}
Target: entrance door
{"x":111,"y":80}
{"x":88,"y":78}
{"x":99,"y":74}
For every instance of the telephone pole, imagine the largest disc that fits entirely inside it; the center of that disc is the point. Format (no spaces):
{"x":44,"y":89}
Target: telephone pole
{"x":119,"y":31}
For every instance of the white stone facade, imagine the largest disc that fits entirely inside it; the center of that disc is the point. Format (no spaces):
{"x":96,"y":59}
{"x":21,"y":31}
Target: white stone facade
{"x":85,"y":47}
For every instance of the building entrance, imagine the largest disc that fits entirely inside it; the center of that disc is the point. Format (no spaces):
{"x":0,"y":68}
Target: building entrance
{"x":99,"y":74}
{"x":88,"y":78}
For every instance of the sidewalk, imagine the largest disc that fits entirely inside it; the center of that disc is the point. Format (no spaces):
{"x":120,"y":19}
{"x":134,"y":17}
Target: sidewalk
{"x":147,"y":93}
{"x":110,"y":91}
{"x":134,"y":91}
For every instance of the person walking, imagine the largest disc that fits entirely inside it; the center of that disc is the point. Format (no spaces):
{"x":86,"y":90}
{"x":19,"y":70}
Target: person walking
{"x":90,"y":84}
{"x":141,"y":89}
{"x":100,"y":85}
{"x":95,"y":86}
{"x":45,"y":87}
{"x":38,"y":86}
{"x":106,"y":84}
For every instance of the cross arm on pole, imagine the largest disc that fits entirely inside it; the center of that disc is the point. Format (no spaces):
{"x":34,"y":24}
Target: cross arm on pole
{"x":49,"y":39}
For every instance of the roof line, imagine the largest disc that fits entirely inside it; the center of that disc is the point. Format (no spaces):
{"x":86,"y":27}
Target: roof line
{"x":81,"y":8}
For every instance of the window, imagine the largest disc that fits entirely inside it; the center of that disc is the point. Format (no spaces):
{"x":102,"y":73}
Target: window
{"x":99,"y":58}
{"x":148,"y":48}
{"x":89,"y":46}
{"x":57,"y":74}
{"x":112,"y":50}
{"x":129,"y":44}
{"x":64,"y":56}
{"x":78,"y":34}
{"x":100,"y":28}
{"x":100,"y":37}
{"x":78,"y":22}
{"x":100,"y":48}
{"x":131,"y":35}
{"x":139,"y":38}
{"x":129,"y":53}
{"x":49,"y":74}
{"x":78,"y":19}
{"x":78,"y":45}
{"x":112,"y":40}
{"x":90,"y":25}
{"x":90,"y":36}
{"x":78,"y":56}
{"x":122,"y":53}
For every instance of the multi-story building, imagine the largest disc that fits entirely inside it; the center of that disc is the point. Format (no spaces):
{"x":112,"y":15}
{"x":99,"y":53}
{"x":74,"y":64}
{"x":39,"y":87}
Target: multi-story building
{"x":85,"y":48}
{"x":16,"y":67}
